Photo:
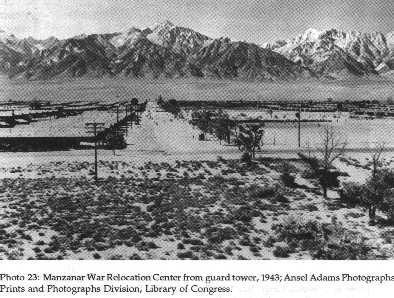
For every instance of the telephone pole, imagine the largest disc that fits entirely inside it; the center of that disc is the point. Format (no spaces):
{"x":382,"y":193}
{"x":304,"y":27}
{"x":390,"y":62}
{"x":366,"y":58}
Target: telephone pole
{"x":298,"y":115}
{"x":95,"y":128}
{"x":117,"y":114}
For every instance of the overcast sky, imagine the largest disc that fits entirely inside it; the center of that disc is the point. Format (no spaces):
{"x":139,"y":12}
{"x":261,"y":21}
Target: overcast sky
{"x":251,"y":20}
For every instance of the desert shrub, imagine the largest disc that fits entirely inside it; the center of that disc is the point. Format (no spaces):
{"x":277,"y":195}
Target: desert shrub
{"x":378,"y":193}
{"x":218,"y":235}
{"x":329,"y":178}
{"x":386,"y":177}
{"x":125,"y":234}
{"x":193,"y":241}
{"x":286,"y":177}
{"x":388,"y":206}
{"x":323,"y":169}
{"x":37,"y":249}
{"x":256,"y":191}
{"x":388,"y":236}
{"x":353,"y":215}
{"x":96,"y":256}
{"x":344,"y":250}
{"x":281,"y":198}
{"x":308,"y":174}
{"x":228,"y":250}
{"x":281,"y":250}
{"x":245,"y":213}
{"x":116,"y":257}
{"x":342,"y":244}
{"x":185,"y":255}
{"x":246,"y":158}
{"x":151,"y":245}
{"x":310,"y":207}
{"x":351,"y":193}
{"x":269,"y":242}
{"x":322,"y":240}
{"x":306,"y":233}
{"x":313,"y":162}
{"x":135,"y":256}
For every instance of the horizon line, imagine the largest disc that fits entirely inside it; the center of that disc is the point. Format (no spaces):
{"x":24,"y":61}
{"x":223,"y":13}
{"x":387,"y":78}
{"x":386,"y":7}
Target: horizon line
{"x":157,"y":23}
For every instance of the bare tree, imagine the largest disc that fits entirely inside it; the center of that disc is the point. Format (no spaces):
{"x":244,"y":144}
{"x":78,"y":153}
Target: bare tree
{"x":332,"y":147}
{"x":249,"y":138}
{"x":222,"y":126}
{"x":376,"y":158}
{"x":378,"y":190}
{"x":373,"y":195}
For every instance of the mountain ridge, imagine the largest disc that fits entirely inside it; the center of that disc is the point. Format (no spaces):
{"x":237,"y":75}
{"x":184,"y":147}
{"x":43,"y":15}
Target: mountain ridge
{"x":167,"y":50}
{"x":353,"y":52}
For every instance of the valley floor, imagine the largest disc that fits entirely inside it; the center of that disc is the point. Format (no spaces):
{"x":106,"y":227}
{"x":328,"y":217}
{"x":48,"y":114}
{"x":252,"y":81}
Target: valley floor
{"x":169,"y":196}
{"x":120,"y":88}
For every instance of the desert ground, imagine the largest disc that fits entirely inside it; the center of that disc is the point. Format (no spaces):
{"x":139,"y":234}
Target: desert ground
{"x":170,"y":196}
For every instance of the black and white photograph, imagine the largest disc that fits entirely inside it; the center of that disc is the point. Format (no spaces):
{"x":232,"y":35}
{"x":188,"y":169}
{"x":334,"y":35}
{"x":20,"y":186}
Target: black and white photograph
{"x":196,"y":130}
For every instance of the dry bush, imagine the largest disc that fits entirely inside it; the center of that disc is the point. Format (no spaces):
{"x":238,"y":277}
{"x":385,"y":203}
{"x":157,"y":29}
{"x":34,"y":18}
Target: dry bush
{"x":322,"y":240}
{"x":351,"y":193}
{"x":281,"y":250}
{"x":287,"y":176}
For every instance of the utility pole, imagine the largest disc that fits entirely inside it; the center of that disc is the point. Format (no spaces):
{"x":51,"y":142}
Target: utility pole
{"x":117,"y":114}
{"x":95,"y":128}
{"x":95,"y":151}
{"x":298,"y":115}
{"x":126,"y":118}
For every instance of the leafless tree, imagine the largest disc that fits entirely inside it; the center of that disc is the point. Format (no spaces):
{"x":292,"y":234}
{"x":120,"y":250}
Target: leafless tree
{"x":249,"y":138}
{"x":376,"y":157}
{"x":377,"y":192}
{"x":331,"y":148}
{"x":374,"y":194}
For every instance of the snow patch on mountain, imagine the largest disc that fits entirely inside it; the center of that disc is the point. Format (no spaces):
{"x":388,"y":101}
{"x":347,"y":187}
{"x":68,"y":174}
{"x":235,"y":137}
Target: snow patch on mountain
{"x":128,"y":37}
{"x":390,"y":39}
{"x":361,"y":52}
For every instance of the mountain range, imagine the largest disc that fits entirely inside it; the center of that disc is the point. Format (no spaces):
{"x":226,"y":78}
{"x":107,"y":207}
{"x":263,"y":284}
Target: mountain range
{"x":338,"y":52}
{"x":166,"y":50}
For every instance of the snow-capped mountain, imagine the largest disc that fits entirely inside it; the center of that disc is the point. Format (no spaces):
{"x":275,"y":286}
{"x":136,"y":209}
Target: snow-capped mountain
{"x":10,"y":55}
{"x":40,"y":45}
{"x":226,"y":59}
{"x":147,"y":59}
{"x":27,"y":45}
{"x":163,"y":50}
{"x":167,"y":50}
{"x":334,"y":52}
{"x":6,"y":37}
{"x":78,"y":56}
{"x":127,"y":39}
{"x":15,"y":53}
{"x":179,"y":39}
{"x":390,"y":40}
